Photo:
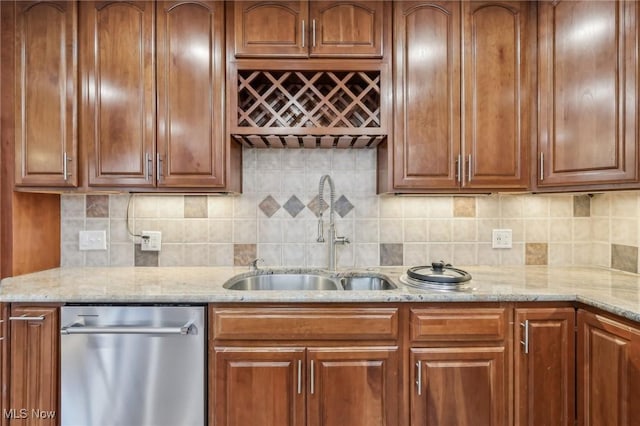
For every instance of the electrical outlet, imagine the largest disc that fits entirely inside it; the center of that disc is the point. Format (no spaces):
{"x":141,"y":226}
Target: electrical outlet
{"x":151,"y":241}
{"x":93,"y":240}
{"x":501,"y":238}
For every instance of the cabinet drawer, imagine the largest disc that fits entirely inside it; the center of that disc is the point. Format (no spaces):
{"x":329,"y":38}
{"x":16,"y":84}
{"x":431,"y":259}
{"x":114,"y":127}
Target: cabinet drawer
{"x":445,"y":325}
{"x":305,"y":323}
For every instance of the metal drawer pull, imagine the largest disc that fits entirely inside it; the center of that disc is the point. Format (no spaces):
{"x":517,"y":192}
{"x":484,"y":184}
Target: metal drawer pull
{"x":188,"y":328}
{"x":312,"y":379}
{"x":299,"y":376}
{"x":158,"y":167}
{"x":541,"y":166}
{"x":27,"y":318}
{"x":469,"y":170}
{"x":525,"y":343}
{"x":419,"y":381}
{"x":313,"y":32}
{"x":303,"y":33}
{"x":459,"y":168}
{"x":149,"y":165}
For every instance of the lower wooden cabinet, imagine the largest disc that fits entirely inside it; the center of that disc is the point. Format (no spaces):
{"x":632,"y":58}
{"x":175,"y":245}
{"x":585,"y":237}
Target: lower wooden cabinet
{"x":544,"y":387}
{"x":4,"y":358}
{"x":608,"y":371}
{"x":34,"y":359}
{"x":460,"y":366}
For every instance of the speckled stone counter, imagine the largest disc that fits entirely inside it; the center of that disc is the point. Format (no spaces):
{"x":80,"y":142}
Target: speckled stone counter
{"x":613,"y":291}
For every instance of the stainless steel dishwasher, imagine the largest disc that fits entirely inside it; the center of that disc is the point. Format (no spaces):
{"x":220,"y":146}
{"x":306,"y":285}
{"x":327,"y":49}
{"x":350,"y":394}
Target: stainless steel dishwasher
{"x":133,"y":366}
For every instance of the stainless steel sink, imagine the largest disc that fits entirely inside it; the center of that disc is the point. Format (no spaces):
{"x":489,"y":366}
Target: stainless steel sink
{"x":282,"y":281}
{"x":366,"y":283}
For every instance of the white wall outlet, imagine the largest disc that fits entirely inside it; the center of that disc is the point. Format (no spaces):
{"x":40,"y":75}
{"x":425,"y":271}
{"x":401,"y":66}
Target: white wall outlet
{"x":502,"y":238}
{"x":93,"y":240}
{"x":151,"y":241}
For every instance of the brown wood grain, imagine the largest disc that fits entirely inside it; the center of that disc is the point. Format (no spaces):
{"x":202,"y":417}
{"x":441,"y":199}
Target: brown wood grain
{"x":545,"y":376}
{"x":456,"y":325}
{"x":191,"y":76}
{"x":258,"y":386}
{"x":588,"y":89}
{"x":608,"y":371}
{"x":355,"y":386}
{"x":34,"y":362}
{"x":46,"y":101}
{"x":118,"y":102}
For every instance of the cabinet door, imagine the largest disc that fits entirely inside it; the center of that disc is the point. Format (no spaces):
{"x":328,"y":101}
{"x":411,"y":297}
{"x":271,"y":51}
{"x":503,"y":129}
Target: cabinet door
{"x":353,"y":29}
{"x":118,"y":102}
{"x":190,"y":74}
{"x":608,"y":371}
{"x":353,"y":386}
{"x":45,"y":88}
{"x":587,"y":76}
{"x":427,"y":94}
{"x":545,"y":366}
{"x":496,"y":94}
{"x":259,"y":386}
{"x":271,"y":28}
{"x":459,"y":387}
{"x":4,"y":359}
{"x":34,"y":362}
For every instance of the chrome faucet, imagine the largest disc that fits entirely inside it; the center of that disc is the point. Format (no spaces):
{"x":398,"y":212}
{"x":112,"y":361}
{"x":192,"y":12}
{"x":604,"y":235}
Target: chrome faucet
{"x":333,"y":239}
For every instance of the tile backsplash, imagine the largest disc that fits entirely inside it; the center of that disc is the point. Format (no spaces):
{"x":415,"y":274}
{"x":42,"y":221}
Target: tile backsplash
{"x":276,"y":219}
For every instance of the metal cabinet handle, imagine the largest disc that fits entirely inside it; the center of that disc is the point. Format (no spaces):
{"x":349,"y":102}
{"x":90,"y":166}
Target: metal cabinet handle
{"x":188,"y":328}
{"x":27,"y":318}
{"x":469,"y":170}
{"x":312,"y":379}
{"x":303,"y":33}
{"x":541,"y":166}
{"x":419,"y":380}
{"x":299,"y":376}
{"x":459,"y":168}
{"x":525,"y":342}
{"x":65,"y":166}
{"x":313,"y":33}
{"x":149,"y":161}
{"x":159,"y":167}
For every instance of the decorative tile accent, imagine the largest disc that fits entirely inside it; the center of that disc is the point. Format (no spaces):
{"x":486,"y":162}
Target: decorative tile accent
{"x":343,"y":206}
{"x":624,"y":258}
{"x":464,"y":207}
{"x":536,"y":254}
{"x":391,"y":254}
{"x":269,"y":206}
{"x":97,"y":206}
{"x":581,"y":206}
{"x":195,"y":206}
{"x":145,"y":258}
{"x":244,"y":254}
{"x":314,"y":206}
{"x":294,"y":206}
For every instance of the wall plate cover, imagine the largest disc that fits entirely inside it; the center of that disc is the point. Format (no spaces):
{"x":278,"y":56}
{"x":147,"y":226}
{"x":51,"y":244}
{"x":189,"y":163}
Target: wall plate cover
{"x":151,"y":241}
{"x":93,"y":240}
{"x":502,"y":238}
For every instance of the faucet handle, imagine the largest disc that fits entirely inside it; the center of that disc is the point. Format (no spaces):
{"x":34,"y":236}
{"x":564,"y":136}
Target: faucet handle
{"x":253,"y":266}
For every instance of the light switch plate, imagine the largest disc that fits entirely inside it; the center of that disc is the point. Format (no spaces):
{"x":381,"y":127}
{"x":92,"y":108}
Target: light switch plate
{"x":502,"y":238}
{"x":93,"y":240}
{"x":151,"y":241}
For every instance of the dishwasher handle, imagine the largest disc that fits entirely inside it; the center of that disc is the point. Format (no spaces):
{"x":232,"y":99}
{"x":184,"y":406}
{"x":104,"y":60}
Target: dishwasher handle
{"x":76,"y":328}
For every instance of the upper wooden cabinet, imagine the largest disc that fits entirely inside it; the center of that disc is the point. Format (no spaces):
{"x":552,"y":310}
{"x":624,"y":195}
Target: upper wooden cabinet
{"x":46,"y":94}
{"x":167,"y":54}
{"x":588,"y":93}
{"x":452,"y":136}
{"x":308,"y":28}
{"x":608,"y":371}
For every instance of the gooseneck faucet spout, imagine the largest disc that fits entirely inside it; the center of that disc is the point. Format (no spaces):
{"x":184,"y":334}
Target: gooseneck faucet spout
{"x":333,"y":239}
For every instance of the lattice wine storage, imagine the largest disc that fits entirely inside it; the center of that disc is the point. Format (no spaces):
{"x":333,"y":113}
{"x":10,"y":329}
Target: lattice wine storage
{"x":308,"y":108}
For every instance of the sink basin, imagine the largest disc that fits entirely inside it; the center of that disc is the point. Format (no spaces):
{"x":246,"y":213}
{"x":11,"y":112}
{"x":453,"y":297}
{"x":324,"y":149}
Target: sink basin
{"x":366,"y":283}
{"x":283,"y":282}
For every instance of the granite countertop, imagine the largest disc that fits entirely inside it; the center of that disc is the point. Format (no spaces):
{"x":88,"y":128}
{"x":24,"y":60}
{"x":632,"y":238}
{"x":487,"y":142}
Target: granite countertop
{"x":613,"y":291}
